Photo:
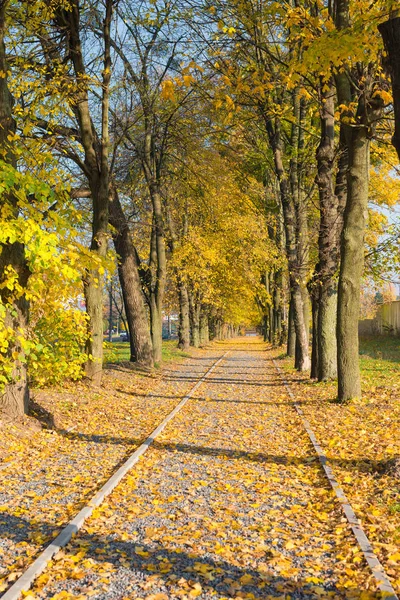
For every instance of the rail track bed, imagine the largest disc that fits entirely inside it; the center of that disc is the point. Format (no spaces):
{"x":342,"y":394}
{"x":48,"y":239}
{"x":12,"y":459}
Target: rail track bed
{"x":229,"y":500}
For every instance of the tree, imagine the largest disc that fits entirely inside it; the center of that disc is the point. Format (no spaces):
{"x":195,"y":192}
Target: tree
{"x":68,"y":25}
{"x":358,"y":91}
{"x":59,"y":109}
{"x":129,"y":277}
{"x":150,"y":47}
{"x":14,"y":271}
{"x":226,"y":247}
{"x":252,"y":64}
{"x":390,"y":31}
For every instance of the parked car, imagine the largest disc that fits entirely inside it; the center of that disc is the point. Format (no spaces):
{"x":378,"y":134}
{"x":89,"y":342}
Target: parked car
{"x":124,"y":336}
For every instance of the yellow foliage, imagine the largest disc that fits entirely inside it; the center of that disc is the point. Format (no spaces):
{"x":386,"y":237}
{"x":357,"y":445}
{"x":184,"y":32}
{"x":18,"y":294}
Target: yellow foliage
{"x":167,"y":90}
{"x":54,"y":343}
{"x":227,"y":246}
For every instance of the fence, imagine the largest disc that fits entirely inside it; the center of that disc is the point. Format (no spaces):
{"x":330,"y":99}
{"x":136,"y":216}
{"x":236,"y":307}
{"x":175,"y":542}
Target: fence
{"x":387,"y":321}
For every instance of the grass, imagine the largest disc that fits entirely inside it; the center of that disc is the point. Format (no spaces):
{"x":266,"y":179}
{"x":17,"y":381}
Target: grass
{"x":118,"y":352}
{"x":386,"y":348}
{"x":380,"y":361}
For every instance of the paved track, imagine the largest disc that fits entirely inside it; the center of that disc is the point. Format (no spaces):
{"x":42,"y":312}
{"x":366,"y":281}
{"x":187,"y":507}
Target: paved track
{"x":230,"y":501}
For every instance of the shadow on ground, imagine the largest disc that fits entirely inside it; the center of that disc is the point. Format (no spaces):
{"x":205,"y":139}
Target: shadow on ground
{"x":138,"y":560}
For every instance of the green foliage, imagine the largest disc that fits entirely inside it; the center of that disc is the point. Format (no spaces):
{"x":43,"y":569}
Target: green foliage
{"x":54,"y":343}
{"x":117,"y":352}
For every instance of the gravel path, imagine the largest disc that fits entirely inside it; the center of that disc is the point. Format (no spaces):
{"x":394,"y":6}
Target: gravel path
{"x":47,"y":482}
{"x":229,"y":502}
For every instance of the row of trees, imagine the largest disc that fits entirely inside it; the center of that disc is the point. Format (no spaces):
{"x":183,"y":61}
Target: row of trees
{"x":312,"y":77}
{"x":207,"y":141}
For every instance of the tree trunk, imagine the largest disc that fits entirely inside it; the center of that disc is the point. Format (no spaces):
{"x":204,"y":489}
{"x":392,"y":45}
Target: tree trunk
{"x":390,"y":31}
{"x":302,"y":361}
{"x":292,"y":250}
{"x":265,"y":328}
{"x":194,"y":311}
{"x":306,"y":319}
{"x":156,"y":329}
{"x":327,"y":345}
{"x":270,"y":312}
{"x":203,"y":328}
{"x":184,"y":317}
{"x":352,"y":265}
{"x":96,"y":167}
{"x":277,"y":308}
{"x":315,"y":332}
{"x":325,"y":363}
{"x":357,"y":138}
{"x":128,"y":271}
{"x":291,"y":341}
{"x":14,"y":399}
{"x":159,"y":271}
{"x":218,"y":328}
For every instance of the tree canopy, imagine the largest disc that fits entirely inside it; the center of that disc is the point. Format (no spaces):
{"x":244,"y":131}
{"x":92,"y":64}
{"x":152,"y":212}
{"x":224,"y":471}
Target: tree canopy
{"x":231,"y":161}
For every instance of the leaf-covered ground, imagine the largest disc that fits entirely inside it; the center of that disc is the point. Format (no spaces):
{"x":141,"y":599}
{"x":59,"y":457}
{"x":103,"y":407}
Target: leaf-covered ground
{"x":229,"y":502}
{"x":362,"y":442}
{"x":47,"y":474}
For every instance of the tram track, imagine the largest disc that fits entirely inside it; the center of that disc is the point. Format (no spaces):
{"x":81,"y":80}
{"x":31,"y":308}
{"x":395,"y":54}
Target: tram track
{"x":27,"y":579}
{"x":377,"y":569}
{"x":182,"y":447}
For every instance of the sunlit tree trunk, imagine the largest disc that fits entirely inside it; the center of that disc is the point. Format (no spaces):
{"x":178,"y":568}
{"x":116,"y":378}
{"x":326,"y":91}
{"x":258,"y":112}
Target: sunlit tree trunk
{"x":128,"y":271}
{"x":291,"y":341}
{"x":184,"y":318}
{"x":357,"y":138}
{"x":203,"y":327}
{"x":157,"y":286}
{"x":292,"y":245}
{"x":158,"y":260}
{"x":352,"y":266}
{"x":14,"y":400}
{"x":96,"y":166}
{"x":181,"y":283}
{"x":194,"y":311}
{"x":325,"y":292}
{"x":301,"y":217}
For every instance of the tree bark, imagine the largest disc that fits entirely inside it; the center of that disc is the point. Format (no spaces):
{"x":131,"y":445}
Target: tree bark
{"x":129,"y":277}
{"x":306,"y":317}
{"x":184,"y":318}
{"x":265,"y":328}
{"x":277,"y":308}
{"x":352,"y":265}
{"x":156,"y":328}
{"x":14,"y":400}
{"x":325,"y":356}
{"x":194,"y":311}
{"x":357,"y":138}
{"x":292,"y":250}
{"x":203,"y":327}
{"x":96,"y":168}
{"x":390,"y":32}
{"x":315,"y":333}
{"x":301,"y":218}
{"x":291,"y":341}
{"x":181,"y":284}
{"x":158,"y":260}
